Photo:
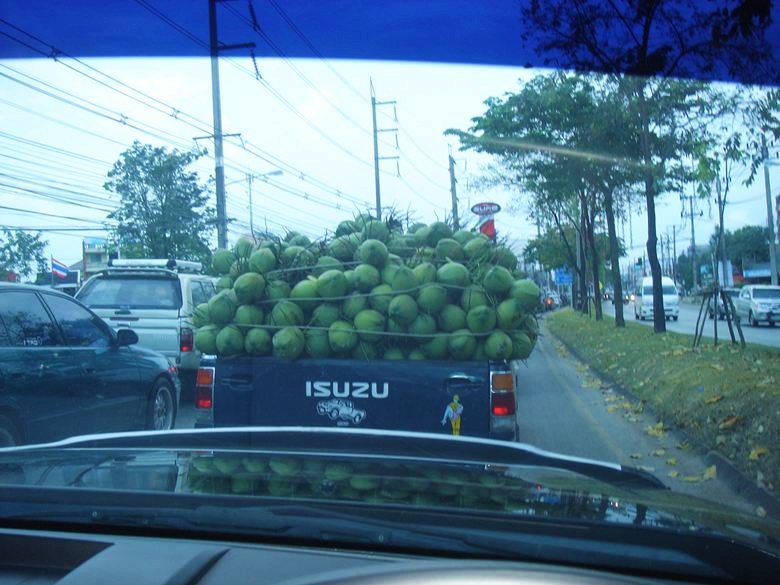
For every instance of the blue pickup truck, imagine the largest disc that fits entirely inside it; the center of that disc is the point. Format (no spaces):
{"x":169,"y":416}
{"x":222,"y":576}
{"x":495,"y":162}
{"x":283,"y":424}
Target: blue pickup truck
{"x":473,"y":398}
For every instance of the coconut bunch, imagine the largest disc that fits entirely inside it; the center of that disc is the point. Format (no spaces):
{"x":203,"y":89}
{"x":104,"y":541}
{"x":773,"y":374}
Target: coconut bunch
{"x":370,"y":292}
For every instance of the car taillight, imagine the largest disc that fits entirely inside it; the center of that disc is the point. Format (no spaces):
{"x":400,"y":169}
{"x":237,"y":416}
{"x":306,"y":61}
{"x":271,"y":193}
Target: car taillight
{"x":185,"y":339}
{"x":502,"y":394}
{"x":204,"y":388}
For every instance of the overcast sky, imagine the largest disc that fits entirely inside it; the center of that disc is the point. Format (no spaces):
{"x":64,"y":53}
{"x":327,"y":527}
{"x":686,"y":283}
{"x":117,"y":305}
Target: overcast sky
{"x":309,"y":118}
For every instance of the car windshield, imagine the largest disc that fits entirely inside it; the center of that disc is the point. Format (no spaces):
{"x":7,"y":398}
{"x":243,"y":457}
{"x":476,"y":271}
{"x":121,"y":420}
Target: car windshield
{"x":428,"y":229}
{"x":766,"y":293}
{"x":132,"y":292}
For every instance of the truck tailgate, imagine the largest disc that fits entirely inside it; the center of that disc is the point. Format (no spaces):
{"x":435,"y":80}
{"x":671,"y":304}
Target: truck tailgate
{"x":377,"y":394}
{"x":157,"y":329}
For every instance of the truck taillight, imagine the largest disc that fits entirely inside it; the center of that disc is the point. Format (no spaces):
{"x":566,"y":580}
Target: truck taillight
{"x":204,"y":388}
{"x":185,"y":339}
{"x":502,"y":394}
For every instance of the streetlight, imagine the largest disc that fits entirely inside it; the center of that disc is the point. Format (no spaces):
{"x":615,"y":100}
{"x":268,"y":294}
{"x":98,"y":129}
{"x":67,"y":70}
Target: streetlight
{"x":249,"y":178}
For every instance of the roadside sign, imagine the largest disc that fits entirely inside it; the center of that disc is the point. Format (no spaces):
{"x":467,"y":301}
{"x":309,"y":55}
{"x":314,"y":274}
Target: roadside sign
{"x":563,"y":277}
{"x":485,"y":208}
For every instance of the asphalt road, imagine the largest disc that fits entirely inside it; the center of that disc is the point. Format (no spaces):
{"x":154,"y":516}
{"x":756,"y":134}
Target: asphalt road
{"x":563,"y":408}
{"x":763,"y":334}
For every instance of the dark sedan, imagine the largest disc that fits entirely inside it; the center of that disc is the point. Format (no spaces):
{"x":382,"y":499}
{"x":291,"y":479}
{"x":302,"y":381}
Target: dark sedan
{"x":65,"y":372}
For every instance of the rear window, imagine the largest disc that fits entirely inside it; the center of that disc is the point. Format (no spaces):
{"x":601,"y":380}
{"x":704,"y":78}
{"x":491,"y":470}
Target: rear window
{"x":133,"y":293}
{"x":766,"y":293}
{"x":667,"y":290}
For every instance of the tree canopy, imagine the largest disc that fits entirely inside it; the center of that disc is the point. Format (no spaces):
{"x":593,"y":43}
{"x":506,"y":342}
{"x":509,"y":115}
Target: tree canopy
{"x":21,"y":253}
{"x":164,"y":210}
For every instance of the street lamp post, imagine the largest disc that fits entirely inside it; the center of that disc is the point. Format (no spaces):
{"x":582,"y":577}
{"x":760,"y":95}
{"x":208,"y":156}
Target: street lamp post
{"x":249,"y":178}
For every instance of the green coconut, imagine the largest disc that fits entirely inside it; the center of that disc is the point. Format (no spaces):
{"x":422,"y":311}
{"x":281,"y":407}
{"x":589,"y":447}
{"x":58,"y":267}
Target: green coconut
{"x":353,"y":304}
{"x":325,"y":314}
{"x":477,"y":248}
{"x":393,"y":353}
{"x":288,"y":343}
{"x":473,"y":296}
{"x":503,"y":256}
{"x":481,"y":319}
{"x":222,"y":307}
{"x":423,"y":324}
{"x":230,"y":341}
{"x":404,"y":280}
{"x":463,"y":236}
{"x":453,"y":274}
{"x":222,"y":260}
{"x":462,"y":344}
{"x":365,"y":277}
{"x":527,"y":293}
{"x":380,"y":298}
{"x":373,"y":252}
{"x":249,"y":287}
{"x":297,"y":257}
{"x":369,"y":325}
{"x":421,"y":235}
{"x":200,"y":316}
{"x":497,"y":281}
{"x":342,"y":337}
{"x":365,"y":350}
{"x":240,"y":266}
{"x":438,"y":231}
{"x":317,"y":343}
{"x":425,"y":272}
{"x":262,"y":261}
{"x":286,"y":314}
{"x":435,"y":348}
{"x":432,"y":298}
{"x":300,"y":240}
{"x":277,"y":290}
{"x":449,"y":249}
{"x":417,"y":354}
{"x":375,"y":230}
{"x":510,"y":314}
{"x":342,"y":248}
{"x":331,"y":284}
{"x":522,"y":345}
{"x":206,"y":339}
{"x":257,"y":341}
{"x":452,"y":318}
{"x":325,"y":263}
{"x":304,"y":294}
{"x":389,"y":272}
{"x":224,"y":283}
{"x":402,"y":309}
{"x":248,"y":315}
{"x":498,"y":346}
{"x":346,"y":227}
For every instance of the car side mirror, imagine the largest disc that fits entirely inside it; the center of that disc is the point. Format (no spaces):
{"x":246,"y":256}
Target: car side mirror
{"x":126,"y":337}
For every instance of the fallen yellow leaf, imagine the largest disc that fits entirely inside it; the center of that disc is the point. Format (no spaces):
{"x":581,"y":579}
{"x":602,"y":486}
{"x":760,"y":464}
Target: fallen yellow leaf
{"x":729,"y":422}
{"x":711,"y":472}
{"x":626,"y":405}
{"x":717,"y":367}
{"x":659,"y":452}
{"x":760,"y":512}
{"x":714,"y":399}
{"x":612,"y":408}
{"x":691,"y":478}
{"x":673,"y":473}
{"x":757,"y":452}
{"x":671,"y":461}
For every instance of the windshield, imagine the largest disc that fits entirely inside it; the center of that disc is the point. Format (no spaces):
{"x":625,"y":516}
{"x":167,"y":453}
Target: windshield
{"x":347,"y":228}
{"x":132,"y":292}
{"x":766,"y":293}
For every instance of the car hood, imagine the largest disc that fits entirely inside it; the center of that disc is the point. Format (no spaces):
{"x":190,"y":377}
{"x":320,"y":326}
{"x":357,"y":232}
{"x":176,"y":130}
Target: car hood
{"x":359,"y":466}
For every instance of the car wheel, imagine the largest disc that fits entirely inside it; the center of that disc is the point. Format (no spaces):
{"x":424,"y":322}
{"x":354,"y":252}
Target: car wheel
{"x":9,"y":435}
{"x":161,"y":412}
{"x":751,"y":320}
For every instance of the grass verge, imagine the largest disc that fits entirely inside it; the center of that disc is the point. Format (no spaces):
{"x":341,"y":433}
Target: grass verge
{"x":726,"y":399}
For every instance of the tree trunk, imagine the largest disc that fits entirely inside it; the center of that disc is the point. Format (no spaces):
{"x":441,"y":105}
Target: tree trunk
{"x":595,"y":262}
{"x":614,"y":259}
{"x":583,"y":261}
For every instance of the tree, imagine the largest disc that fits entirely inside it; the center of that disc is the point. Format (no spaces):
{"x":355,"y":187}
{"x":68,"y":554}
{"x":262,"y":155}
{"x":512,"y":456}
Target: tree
{"x":643,"y":43}
{"x":164,"y":210}
{"x":21,"y":253}
{"x":750,"y":243}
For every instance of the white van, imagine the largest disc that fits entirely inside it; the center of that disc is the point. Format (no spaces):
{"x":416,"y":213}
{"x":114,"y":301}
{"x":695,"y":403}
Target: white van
{"x":643,"y":301}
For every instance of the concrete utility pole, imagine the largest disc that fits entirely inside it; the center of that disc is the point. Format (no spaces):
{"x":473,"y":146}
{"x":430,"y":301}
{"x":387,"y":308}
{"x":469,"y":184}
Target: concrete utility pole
{"x":453,"y":193}
{"x":769,"y":217}
{"x":690,"y":215}
{"x":377,"y":158}
{"x":219,"y":170}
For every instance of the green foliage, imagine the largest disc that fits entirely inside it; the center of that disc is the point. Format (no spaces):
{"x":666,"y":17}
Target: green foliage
{"x":164,"y":210}
{"x":749,"y":244}
{"x":21,"y":253}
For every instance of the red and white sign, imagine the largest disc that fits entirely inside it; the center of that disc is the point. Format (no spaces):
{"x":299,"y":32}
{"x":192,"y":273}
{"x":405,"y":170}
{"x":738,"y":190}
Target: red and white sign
{"x":485,"y":208}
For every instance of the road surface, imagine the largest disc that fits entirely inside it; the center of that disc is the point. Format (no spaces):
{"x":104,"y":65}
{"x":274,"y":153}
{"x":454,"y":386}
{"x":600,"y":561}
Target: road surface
{"x":763,"y":334}
{"x":564,"y":409}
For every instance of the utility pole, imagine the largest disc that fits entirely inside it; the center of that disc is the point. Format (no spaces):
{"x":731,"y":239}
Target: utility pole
{"x":674,"y":252}
{"x":219,"y":171}
{"x":249,"y":179}
{"x":453,"y":192}
{"x":690,"y":214}
{"x":377,"y":158}
{"x":770,"y":219}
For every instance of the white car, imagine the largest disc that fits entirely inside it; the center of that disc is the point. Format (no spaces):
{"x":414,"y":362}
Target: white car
{"x":757,"y":303}
{"x":643,"y":300}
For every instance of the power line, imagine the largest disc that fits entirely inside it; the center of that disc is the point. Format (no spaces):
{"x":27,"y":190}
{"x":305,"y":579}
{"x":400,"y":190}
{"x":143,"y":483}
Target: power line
{"x":31,"y":212}
{"x":54,"y":149}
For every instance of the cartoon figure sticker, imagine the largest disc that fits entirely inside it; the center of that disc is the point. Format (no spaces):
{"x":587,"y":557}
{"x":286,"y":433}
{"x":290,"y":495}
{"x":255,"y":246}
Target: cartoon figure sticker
{"x":452,"y":413}
{"x":342,"y":411}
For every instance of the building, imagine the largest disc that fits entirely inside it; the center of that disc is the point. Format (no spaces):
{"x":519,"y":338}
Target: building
{"x":95,"y":255}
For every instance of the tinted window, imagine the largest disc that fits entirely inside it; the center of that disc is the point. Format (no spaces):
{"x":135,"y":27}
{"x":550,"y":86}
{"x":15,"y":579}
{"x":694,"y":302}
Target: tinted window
{"x":201,"y":291}
{"x":670,"y":290}
{"x":26,"y":321}
{"x":766,"y":293}
{"x":134,"y":293}
{"x":648,"y":290}
{"x":77,"y":323}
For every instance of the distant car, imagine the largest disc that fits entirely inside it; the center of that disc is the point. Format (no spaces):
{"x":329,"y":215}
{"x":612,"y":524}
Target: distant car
{"x":609,"y":295}
{"x":757,"y":303}
{"x":157,"y":299}
{"x":643,"y":301}
{"x":338,"y":409}
{"x":65,"y":372}
{"x":716,"y":308}
{"x":627,"y":297}
{"x":551,"y":301}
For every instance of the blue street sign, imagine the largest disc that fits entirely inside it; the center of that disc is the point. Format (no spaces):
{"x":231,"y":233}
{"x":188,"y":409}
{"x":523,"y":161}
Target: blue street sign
{"x":563,"y":277}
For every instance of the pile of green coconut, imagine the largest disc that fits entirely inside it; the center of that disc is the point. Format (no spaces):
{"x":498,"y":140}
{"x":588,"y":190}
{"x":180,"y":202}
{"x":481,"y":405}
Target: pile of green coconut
{"x":372,"y":291}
